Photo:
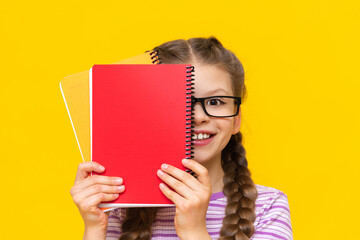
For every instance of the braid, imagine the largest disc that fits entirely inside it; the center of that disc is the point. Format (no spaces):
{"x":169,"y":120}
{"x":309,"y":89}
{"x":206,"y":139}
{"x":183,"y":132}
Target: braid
{"x":240,"y":191}
{"x":138,"y":222}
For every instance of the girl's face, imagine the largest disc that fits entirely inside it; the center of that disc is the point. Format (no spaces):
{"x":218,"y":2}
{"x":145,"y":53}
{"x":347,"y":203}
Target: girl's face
{"x":210,"y":80}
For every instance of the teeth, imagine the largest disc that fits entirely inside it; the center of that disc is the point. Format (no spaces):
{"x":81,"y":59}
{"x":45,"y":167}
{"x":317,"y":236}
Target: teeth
{"x":200,"y":136}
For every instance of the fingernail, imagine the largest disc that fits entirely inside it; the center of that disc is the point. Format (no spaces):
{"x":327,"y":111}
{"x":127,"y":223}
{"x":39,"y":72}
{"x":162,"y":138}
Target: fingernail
{"x":164,"y":166}
{"x":119,"y":180}
{"x":116,"y":195}
{"x":101,"y":168}
{"x":121,"y":188}
{"x":160,"y":172}
{"x":185,"y":161}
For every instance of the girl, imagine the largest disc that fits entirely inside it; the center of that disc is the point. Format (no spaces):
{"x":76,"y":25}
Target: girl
{"x":222,"y":202}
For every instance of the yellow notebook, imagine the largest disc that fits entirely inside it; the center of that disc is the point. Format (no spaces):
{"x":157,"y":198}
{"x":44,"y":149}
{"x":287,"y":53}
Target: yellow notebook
{"x":75,"y":91}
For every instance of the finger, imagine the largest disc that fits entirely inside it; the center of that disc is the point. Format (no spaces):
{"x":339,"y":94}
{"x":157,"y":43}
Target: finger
{"x":93,"y":201}
{"x":202,"y":173}
{"x":173,"y":196}
{"x":175,"y":184}
{"x":183,"y":176}
{"x":85,"y":168}
{"x":97,"y":179}
{"x":98,"y":188}
{"x":81,"y":196}
{"x":92,"y":180}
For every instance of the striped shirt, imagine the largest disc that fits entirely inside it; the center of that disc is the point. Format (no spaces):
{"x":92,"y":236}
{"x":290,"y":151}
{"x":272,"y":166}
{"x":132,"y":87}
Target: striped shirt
{"x":272,"y":218}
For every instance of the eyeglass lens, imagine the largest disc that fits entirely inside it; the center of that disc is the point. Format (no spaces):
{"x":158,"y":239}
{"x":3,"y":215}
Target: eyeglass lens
{"x":221,"y":106}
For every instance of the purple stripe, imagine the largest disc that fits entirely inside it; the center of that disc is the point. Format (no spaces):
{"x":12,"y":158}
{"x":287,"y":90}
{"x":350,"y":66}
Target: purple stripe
{"x":214,"y":219}
{"x":271,"y":234}
{"x":281,"y":194}
{"x":164,"y":220}
{"x":172,"y":220}
{"x":261,"y":213}
{"x":113,"y":231}
{"x":216,"y":205}
{"x":276,"y":228}
{"x":175,"y":235}
{"x":272,"y":193}
{"x":279,"y":221}
{"x":166,"y":210}
{"x":115,"y":226}
{"x":273,"y":207}
{"x":223,"y":205}
{"x":216,"y":196}
{"x":269,"y":199}
{"x":263,"y":193}
{"x":164,"y":235}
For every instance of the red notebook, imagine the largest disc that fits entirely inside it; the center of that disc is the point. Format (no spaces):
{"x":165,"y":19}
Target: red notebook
{"x":140,"y":119}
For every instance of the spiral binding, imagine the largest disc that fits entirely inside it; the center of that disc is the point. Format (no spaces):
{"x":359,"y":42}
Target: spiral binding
{"x":155,"y":57}
{"x":189,"y":113}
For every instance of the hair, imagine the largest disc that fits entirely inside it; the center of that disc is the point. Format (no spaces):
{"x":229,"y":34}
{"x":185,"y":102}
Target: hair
{"x":239,"y":188}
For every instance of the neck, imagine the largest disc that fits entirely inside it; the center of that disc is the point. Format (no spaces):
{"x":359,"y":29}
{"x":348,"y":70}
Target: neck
{"x":216,"y":173}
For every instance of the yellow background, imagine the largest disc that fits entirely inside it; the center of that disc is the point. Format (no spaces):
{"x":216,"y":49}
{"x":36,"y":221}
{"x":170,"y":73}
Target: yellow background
{"x":300,"y":120}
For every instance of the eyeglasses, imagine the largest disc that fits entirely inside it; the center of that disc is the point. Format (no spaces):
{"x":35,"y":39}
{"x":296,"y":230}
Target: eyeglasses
{"x":218,"y":106}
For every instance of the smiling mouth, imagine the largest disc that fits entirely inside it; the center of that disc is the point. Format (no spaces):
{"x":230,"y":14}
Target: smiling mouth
{"x":201,"y":136}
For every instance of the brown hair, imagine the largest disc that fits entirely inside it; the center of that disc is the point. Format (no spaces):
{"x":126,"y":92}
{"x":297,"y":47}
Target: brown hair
{"x":239,"y":188}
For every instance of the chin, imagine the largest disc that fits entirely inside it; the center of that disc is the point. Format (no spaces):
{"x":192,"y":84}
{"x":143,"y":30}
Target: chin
{"x":204,"y":157}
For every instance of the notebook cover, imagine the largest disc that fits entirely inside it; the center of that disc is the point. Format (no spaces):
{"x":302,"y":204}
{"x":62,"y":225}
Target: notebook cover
{"x":139,"y":121}
{"x":75,"y":91}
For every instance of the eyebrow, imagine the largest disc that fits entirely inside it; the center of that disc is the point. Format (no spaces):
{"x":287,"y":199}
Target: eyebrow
{"x":219,"y":90}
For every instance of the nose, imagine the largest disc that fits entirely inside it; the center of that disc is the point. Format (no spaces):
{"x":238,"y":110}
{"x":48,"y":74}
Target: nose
{"x":199,"y":115}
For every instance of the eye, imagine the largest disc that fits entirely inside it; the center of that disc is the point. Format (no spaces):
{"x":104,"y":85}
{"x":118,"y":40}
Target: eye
{"x":215,"y":102}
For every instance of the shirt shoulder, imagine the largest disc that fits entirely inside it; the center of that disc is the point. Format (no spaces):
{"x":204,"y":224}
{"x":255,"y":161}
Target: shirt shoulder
{"x":272,"y":215}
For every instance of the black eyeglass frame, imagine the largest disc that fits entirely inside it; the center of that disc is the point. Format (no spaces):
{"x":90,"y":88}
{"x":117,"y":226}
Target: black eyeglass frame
{"x":194,"y":100}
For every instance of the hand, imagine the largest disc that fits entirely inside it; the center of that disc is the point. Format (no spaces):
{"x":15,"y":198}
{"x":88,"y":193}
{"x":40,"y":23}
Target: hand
{"x":191,"y":198}
{"x":88,"y":191}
